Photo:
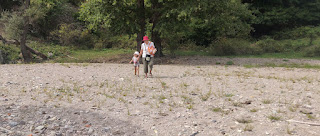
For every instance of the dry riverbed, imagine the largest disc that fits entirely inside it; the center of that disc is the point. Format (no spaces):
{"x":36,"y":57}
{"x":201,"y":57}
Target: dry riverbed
{"x":188,"y":100}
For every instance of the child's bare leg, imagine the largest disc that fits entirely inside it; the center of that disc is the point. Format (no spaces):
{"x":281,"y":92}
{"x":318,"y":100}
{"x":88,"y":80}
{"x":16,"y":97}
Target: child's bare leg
{"x":138,"y":70}
{"x":135,"y":70}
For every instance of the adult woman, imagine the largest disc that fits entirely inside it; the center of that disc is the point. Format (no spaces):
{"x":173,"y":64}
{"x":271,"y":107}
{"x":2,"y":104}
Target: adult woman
{"x":147,"y":51}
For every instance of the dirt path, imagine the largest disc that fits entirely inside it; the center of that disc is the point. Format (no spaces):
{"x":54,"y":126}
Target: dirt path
{"x":107,"y":99}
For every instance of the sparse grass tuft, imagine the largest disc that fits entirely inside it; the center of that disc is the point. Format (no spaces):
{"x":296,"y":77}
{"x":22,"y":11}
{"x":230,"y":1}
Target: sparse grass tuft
{"x":253,"y":110}
{"x":229,"y":95}
{"x":248,"y":127}
{"x":310,"y":117}
{"x":292,"y":108}
{"x":229,"y":63}
{"x":186,"y":99}
{"x":244,"y":120}
{"x":206,"y":96}
{"x":274,"y":117}
{"x":266,"y":101}
{"x":190,"y":106}
{"x":217,"y":109}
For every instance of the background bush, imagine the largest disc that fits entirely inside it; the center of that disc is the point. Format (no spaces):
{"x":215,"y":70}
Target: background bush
{"x":233,"y":46}
{"x":10,"y":53}
{"x":52,"y":50}
{"x":270,"y":46}
{"x":313,"y":51}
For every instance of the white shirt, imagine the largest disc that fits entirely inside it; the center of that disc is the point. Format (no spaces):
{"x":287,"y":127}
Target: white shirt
{"x":135,"y":61}
{"x":145,"y":48}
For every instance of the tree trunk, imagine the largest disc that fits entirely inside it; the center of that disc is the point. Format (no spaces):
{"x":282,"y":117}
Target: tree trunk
{"x":141,"y":22}
{"x":155,"y":34}
{"x":26,"y":55}
{"x":29,"y":50}
{"x":1,"y":58}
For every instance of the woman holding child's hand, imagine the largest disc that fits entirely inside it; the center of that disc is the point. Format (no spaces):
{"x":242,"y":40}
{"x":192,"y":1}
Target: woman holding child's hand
{"x":147,"y":51}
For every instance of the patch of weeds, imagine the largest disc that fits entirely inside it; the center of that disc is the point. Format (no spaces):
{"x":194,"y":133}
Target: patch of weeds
{"x":218,"y":63}
{"x":237,"y":104}
{"x":292,"y":108}
{"x":184,"y":85}
{"x":190,"y":106}
{"x":23,"y":90}
{"x":244,"y":120}
{"x":122,"y":100}
{"x":101,"y":85}
{"x":248,"y":127}
{"x":229,"y":95}
{"x":145,"y":103}
{"x":274,"y":117}
{"x":65,"y":65}
{"x":206,"y":96}
{"x":162,"y":97}
{"x":289,"y":131}
{"x":266,"y":101}
{"x":217,"y":109}
{"x":309,"y":116}
{"x":108,"y":96}
{"x":230,"y":63}
{"x":164,"y":85}
{"x":249,"y":66}
{"x":129,"y":114}
{"x":253,"y":110}
{"x":186,"y":99}
{"x":285,"y":60}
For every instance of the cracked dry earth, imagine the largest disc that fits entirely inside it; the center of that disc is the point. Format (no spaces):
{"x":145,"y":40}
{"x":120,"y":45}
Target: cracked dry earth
{"x":107,"y":99}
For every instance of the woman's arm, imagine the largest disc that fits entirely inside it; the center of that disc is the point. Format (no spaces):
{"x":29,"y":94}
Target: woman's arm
{"x":140,"y":54}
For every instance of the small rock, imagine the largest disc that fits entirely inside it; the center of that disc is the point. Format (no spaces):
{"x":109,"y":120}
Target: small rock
{"x":305,"y":112}
{"x":90,"y":131}
{"x":22,"y":123}
{"x":106,"y":129}
{"x":52,"y":133}
{"x":53,"y":118}
{"x":194,"y":134}
{"x":307,"y":106}
{"x":77,"y":113}
{"x":46,"y":117}
{"x":39,"y":127}
{"x":13,"y":124}
{"x":223,"y":132}
{"x":214,"y":121}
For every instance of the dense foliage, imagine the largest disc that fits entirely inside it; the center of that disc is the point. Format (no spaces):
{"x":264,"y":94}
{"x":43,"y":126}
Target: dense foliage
{"x":224,"y":27}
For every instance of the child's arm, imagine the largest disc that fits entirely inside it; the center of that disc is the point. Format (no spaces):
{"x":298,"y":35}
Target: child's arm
{"x":131,"y":61}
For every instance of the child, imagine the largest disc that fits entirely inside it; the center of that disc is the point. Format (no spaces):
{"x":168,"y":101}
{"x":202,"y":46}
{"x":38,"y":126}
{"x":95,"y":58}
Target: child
{"x":135,"y":62}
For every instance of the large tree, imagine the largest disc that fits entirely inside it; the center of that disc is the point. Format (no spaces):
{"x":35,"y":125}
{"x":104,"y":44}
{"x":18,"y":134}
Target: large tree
{"x":131,"y":17}
{"x":17,"y":24}
{"x":276,"y":15}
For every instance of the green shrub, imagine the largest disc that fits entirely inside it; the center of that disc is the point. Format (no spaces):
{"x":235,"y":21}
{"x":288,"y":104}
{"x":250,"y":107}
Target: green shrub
{"x":13,"y":24}
{"x":10,"y":53}
{"x":234,"y":46}
{"x":73,"y":35}
{"x":298,"y":33}
{"x":53,"y":49}
{"x":270,"y":46}
{"x":313,"y":51}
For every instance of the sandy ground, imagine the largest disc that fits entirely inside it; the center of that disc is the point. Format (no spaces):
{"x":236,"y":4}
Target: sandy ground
{"x":188,"y":100}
